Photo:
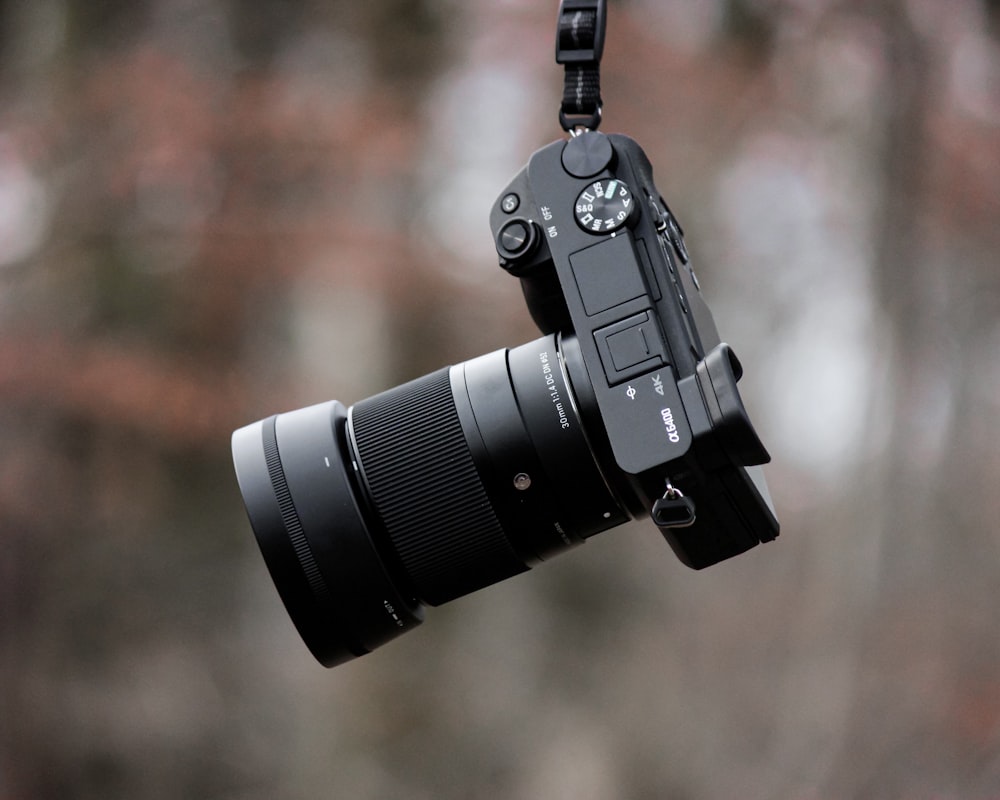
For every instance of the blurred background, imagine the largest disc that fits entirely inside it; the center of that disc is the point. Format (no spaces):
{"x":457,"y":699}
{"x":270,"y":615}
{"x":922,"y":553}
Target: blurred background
{"x":212,"y":210}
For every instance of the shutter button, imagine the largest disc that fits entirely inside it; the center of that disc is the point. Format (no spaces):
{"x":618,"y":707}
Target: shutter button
{"x":517,"y":238}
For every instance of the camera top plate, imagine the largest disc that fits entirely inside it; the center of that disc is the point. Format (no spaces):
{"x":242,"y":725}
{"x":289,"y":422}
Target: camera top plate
{"x":601,"y":257}
{"x":596,"y":219}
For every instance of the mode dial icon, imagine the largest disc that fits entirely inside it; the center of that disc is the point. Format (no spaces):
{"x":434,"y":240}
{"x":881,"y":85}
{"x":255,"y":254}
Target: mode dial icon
{"x":605,"y":206}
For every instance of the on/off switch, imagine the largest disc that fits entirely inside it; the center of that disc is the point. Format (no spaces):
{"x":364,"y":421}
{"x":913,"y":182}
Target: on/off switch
{"x":516,"y":243}
{"x":630,"y":347}
{"x":516,"y":238}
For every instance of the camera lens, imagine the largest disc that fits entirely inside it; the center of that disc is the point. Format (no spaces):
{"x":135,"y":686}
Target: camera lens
{"x":421,"y":494}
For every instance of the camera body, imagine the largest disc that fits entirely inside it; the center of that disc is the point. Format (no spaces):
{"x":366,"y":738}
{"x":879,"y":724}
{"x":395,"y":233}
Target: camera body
{"x":602,"y":259}
{"x":627,"y":406}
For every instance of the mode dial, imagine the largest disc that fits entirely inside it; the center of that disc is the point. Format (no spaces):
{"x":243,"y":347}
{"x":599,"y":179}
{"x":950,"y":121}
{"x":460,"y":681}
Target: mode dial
{"x":605,"y":206}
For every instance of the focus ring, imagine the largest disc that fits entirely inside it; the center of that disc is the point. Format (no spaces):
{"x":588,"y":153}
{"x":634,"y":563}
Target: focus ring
{"x":425,"y":488}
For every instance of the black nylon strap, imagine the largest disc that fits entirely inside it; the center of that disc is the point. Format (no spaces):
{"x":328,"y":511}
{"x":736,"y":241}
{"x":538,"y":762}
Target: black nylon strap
{"x":579,"y":44}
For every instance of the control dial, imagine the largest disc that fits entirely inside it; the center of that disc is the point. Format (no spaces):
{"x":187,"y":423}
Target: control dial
{"x":605,"y":206}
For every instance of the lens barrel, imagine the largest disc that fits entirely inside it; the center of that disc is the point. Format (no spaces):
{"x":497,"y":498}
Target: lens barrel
{"x":420,"y":494}
{"x":426,"y":491}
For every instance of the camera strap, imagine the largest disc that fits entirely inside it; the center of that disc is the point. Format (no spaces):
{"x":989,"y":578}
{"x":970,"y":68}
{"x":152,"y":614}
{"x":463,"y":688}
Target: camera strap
{"x":579,"y":44}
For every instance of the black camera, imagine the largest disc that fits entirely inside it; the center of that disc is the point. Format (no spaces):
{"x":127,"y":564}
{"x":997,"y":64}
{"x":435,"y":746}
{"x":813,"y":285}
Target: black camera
{"x":626,"y":407}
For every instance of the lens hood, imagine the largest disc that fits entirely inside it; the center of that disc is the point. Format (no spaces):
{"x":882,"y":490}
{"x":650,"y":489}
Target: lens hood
{"x":295,"y":475}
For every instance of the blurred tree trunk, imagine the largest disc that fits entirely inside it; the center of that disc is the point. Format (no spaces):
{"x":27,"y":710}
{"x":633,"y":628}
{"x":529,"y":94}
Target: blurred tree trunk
{"x":924,"y":509}
{"x":189,"y":186}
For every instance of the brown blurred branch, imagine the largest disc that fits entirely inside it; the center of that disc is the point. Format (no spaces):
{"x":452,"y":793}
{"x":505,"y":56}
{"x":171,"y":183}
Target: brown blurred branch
{"x":108,"y":384}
